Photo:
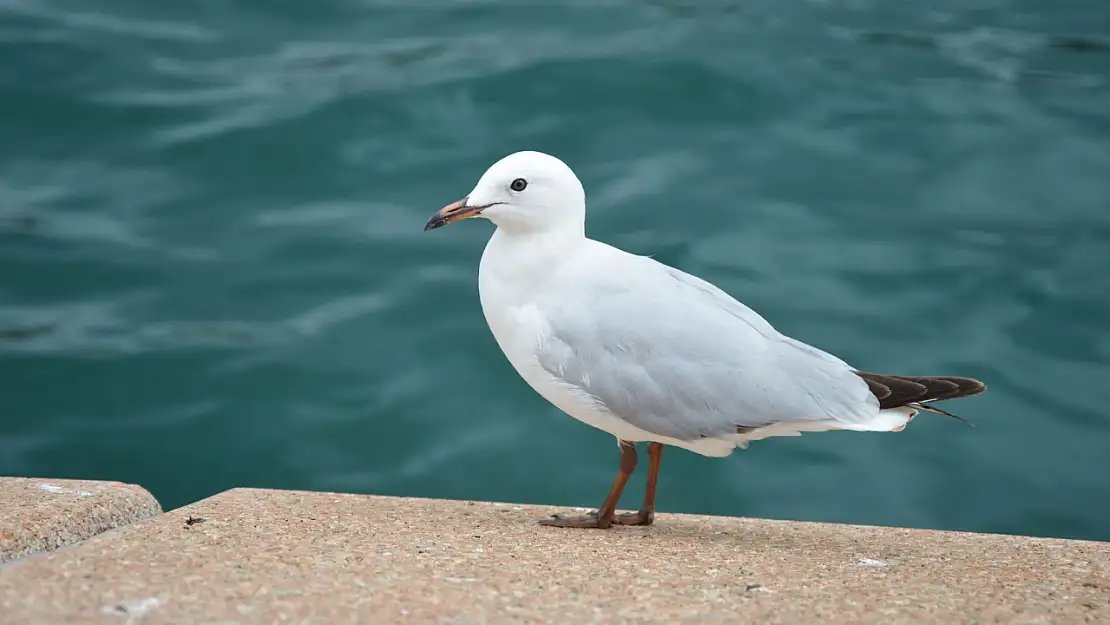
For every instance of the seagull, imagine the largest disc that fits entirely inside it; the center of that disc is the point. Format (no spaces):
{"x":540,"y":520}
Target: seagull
{"x":647,"y":352}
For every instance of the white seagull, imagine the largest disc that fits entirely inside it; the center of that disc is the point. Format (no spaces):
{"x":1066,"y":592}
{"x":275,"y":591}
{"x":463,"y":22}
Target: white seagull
{"x":646,"y":352}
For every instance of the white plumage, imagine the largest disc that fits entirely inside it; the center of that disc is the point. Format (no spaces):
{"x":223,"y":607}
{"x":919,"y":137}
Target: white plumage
{"x":647,"y":352}
{"x":635,"y":347}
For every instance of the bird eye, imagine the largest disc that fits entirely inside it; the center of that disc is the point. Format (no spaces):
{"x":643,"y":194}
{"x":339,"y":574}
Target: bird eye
{"x":519,"y":184}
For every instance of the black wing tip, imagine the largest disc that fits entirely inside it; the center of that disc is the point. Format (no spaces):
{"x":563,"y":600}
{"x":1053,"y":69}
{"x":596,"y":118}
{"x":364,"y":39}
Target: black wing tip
{"x":918,"y":392}
{"x":974,"y":387}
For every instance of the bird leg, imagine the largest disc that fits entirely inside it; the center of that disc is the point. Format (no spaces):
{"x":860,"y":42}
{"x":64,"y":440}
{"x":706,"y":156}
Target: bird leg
{"x":646,"y":514}
{"x":603,"y":517}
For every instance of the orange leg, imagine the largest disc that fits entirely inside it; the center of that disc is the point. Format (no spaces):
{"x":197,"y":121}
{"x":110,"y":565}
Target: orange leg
{"x":604,"y":516}
{"x":646,"y":514}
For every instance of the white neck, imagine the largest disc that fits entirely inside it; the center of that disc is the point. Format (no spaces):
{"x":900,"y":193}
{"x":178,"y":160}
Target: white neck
{"x":519,"y":261}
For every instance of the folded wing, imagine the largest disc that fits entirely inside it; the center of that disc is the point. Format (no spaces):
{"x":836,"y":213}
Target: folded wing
{"x":678,"y":357}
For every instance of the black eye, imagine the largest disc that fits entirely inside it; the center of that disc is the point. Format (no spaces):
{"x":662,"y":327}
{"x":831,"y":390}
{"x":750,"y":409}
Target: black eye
{"x":519,"y":184}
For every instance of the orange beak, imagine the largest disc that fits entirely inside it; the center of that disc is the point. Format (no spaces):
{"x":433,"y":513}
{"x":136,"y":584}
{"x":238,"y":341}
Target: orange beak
{"x":451,"y":213}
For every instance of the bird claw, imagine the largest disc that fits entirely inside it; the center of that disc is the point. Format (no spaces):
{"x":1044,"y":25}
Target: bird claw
{"x":642,"y":517}
{"x":588,"y":520}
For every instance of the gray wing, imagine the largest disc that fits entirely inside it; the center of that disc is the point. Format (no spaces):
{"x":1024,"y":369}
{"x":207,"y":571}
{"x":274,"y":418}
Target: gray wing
{"x":678,"y":357}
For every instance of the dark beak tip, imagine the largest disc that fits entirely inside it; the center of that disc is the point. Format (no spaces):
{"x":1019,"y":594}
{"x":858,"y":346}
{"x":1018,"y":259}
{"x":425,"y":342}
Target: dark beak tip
{"x":437,"y":221}
{"x":444,"y":215}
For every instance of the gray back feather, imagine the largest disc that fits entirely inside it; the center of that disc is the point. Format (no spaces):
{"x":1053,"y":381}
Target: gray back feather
{"x":678,"y":357}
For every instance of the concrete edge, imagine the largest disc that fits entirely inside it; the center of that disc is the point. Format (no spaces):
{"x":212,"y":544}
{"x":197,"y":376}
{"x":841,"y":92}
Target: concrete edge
{"x":41,"y":515}
{"x":262,"y":492}
{"x":259,"y":556}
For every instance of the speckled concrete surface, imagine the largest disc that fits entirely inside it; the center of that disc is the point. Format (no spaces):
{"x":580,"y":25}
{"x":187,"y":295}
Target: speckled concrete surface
{"x":251,"y":556}
{"x":43,"y":514}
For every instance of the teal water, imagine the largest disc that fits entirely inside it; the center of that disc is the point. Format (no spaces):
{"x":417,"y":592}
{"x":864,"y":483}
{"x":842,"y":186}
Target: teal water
{"x":213,"y":274}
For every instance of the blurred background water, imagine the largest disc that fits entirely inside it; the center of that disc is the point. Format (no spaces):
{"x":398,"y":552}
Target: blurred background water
{"x":212,"y":269}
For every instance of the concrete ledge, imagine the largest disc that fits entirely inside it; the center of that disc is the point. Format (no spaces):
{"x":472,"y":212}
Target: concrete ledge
{"x":42,"y":515}
{"x":254,"y":556}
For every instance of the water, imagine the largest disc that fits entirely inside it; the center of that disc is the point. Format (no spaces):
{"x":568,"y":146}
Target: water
{"x":213,"y":274}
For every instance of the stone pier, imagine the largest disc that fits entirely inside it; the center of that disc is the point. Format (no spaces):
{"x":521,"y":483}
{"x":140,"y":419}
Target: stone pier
{"x":92,"y":552}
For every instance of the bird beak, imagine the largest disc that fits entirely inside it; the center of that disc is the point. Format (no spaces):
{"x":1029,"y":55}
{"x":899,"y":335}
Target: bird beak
{"x":451,"y":213}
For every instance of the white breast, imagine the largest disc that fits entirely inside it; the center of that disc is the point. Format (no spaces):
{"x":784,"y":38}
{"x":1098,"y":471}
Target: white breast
{"x":509,"y":290}
{"x":509,"y":294}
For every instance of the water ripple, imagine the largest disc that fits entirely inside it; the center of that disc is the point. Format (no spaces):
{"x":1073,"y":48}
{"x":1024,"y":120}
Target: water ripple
{"x":71,"y":21}
{"x":104,"y":328}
